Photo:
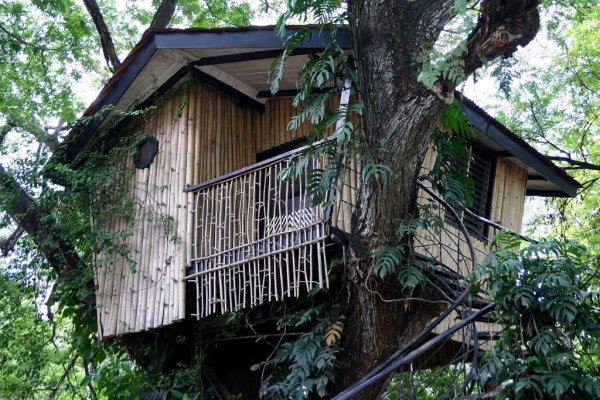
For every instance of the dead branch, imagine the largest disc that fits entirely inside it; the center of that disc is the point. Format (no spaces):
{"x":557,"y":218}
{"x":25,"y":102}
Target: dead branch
{"x":163,"y":15}
{"x":108,"y":47}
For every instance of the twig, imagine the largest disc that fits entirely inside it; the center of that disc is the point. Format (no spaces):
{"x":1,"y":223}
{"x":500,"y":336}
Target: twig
{"x":93,"y":393}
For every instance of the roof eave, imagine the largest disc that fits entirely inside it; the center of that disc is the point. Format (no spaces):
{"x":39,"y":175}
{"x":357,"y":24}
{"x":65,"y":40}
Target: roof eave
{"x":520,"y":149}
{"x":153,"y":40}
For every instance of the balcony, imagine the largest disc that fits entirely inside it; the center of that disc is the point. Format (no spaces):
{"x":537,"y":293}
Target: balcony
{"x":258,"y":239}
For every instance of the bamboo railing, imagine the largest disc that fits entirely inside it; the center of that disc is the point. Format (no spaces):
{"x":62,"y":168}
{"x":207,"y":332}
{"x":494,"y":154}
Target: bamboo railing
{"x":256,"y":238}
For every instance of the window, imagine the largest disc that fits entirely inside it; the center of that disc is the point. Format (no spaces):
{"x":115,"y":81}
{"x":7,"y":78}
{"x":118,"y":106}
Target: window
{"x":480,"y":170}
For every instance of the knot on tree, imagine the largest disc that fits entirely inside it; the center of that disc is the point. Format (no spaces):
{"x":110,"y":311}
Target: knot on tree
{"x":444,"y":89}
{"x":500,"y":42}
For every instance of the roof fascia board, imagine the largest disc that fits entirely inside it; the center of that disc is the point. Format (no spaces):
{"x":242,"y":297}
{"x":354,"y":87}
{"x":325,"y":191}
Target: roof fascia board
{"x":112,"y":97}
{"x":267,"y":39}
{"x":522,"y":151}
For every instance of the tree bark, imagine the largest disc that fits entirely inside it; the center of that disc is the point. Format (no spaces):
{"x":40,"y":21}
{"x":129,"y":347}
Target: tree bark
{"x":163,"y":14}
{"x":389,"y":42}
{"x":108,"y":47}
{"x":8,"y":244}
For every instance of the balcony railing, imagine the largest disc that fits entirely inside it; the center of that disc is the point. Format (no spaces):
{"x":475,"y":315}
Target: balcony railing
{"x":256,"y":238}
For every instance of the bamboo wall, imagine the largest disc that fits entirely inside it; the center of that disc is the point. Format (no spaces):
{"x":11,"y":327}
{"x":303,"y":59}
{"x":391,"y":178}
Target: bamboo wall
{"x":202,"y":134}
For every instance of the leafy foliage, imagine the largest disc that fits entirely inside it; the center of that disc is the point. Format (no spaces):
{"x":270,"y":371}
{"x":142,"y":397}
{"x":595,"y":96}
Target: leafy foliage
{"x":551,"y":319}
{"x":449,"y":173}
{"x":305,"y":366}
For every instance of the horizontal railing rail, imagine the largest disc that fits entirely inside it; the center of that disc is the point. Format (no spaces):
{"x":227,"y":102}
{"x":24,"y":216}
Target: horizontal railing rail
{"x":241,"y":171}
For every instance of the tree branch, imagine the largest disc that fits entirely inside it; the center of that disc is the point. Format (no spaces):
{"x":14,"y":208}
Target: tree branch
{"x":7,"y":244}
{"x":576,"y":164}
{"x":108,"y":47}
{"x":502,"y":27}
{"x":5,"y":129}
{"x":38,"y":223}
{"x":68,"y":369}
{"x":163,"y":15}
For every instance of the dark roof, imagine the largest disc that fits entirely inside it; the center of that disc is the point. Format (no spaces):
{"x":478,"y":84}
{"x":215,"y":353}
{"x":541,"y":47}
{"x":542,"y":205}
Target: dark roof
{"x":195,"y":48}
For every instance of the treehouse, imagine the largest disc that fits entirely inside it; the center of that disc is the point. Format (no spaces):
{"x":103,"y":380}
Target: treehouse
{"x":215,"y":227}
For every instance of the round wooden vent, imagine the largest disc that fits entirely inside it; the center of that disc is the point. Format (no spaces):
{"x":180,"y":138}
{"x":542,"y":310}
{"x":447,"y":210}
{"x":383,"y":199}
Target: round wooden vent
{"x":146,"y":152}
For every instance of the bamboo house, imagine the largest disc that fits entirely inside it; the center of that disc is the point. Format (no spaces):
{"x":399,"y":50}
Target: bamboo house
{"x":211,"y":146}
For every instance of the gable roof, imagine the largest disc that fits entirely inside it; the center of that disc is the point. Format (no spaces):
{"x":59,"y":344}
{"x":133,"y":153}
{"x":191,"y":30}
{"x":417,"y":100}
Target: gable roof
{"x":237,"y":61}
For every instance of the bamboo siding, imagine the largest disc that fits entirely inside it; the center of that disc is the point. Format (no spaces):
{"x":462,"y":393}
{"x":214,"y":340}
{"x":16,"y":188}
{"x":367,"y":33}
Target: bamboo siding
{"x":200,"y":132}
{"x":271,"y":127}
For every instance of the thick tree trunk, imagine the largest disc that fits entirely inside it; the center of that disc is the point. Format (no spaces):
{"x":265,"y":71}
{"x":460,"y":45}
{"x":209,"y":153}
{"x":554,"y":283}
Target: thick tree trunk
{"x":399,"y":115}
{"x":389,"y":39}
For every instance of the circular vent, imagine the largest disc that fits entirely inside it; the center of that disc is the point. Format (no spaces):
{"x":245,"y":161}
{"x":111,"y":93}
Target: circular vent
{"x":146,"y":151}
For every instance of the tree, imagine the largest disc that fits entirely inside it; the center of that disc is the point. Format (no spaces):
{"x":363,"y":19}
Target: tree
{"x":406,"y":80}
{"x":390,"y":42}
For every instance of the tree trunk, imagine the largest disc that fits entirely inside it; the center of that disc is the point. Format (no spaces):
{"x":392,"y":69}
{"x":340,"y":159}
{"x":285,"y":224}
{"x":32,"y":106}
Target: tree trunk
{"x":108,"y":47}
{"x":399,"y":115}
{"x":390,"y":39}
{"x":163,"y":14}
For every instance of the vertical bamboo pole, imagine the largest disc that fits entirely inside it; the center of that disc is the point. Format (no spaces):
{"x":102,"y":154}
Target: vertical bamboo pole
{"x":171,"y":126}
{"x":124,"y":295}
{"x":212,"y":135}
{"x":117,"y":290}
{"x":189,"y":198}
{"x":151,"y":212}
{"x":141,"y":178}
{"x":198,"y":121}
{"x":163,"y":184}
{"x":180,"y":213}
{"x":145,"y":251}
{"x":104,"y":283}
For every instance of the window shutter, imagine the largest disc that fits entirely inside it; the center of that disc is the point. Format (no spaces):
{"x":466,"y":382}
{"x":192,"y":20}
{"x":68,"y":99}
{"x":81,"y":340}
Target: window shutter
{"x":480,"y":169}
